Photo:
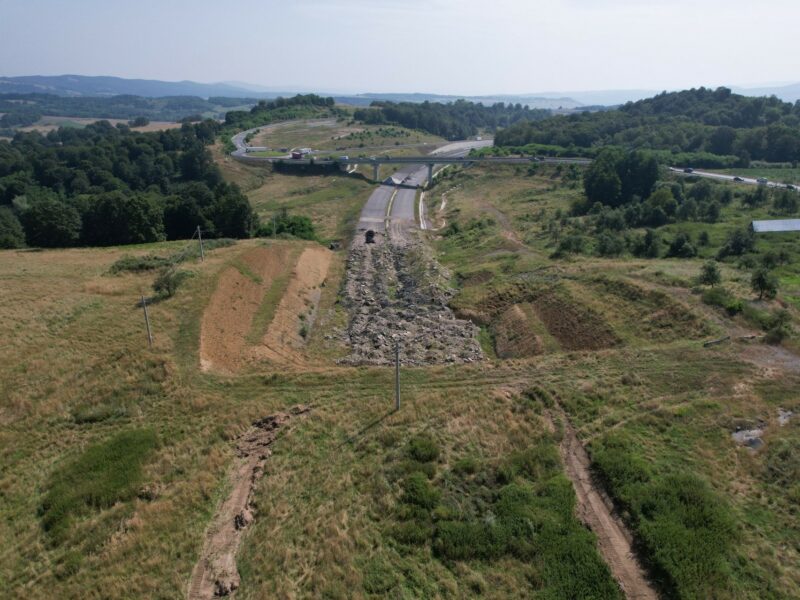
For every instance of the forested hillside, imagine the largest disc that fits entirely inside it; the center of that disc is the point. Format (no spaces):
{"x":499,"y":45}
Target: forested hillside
{"x":452,"y":121}
{"x":106,"y":185}
{"x":716,"y":122}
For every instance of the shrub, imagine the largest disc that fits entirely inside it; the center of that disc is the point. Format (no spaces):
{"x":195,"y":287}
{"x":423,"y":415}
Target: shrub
{"x":687,"y":531}
{"x":105,"y":473}
{"x":412,"y":533}
{"x":717,"y":296}
{"x":168,"y":282}
{"x":764,"y":283}
{"x":465,"y":466}
{"x":379,"y":577}
{"x":138,"y":264}
{"x":423,"y":448}
{"x":419,"y":492}
{"x":682,"y":247}
{"x":458,"y":540}
{"x":709,"y":274}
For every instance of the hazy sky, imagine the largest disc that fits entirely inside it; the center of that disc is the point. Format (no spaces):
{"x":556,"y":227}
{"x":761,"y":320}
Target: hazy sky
{"x":446,"y":46}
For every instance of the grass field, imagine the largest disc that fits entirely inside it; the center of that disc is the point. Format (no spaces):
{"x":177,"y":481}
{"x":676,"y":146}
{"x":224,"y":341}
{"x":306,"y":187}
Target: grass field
{"x":46,"y":124}
{"x":462,"y":493}
{"x":341,"y":136}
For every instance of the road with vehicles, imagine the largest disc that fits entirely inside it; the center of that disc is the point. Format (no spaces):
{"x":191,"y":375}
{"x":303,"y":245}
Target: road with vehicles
{"x":731,"y":178}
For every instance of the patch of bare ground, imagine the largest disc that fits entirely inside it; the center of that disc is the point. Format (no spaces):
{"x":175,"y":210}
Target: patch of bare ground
{"x":215,"y":573}
{"x":514,"y":337}
{"x":229,"y":314}
{"x":576,"y":327}
{"x":295,"y":315}
{"x":595,"y":509}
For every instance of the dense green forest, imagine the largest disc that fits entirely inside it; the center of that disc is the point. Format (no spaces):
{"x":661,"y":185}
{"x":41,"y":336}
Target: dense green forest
{"x":707,"y":123}
{"x":21,"y":110}
{"x":453,"y":121}
{"x":301,"y":106}
{"x":106,"y":185}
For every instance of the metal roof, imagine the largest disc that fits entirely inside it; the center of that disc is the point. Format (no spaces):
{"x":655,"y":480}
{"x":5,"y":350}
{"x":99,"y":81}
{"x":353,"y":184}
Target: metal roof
{"x":776,"y":225}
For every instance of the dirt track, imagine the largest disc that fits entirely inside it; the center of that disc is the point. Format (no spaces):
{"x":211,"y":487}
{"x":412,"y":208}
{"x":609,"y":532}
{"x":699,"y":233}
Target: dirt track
{"x":596,"y":511}
{"x":215,"y":573}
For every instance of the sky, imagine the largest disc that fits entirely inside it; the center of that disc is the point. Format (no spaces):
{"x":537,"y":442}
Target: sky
{"x":465,"y":47}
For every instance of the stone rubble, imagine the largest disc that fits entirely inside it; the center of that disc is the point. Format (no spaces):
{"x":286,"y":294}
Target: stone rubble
{"x":395,"y":290}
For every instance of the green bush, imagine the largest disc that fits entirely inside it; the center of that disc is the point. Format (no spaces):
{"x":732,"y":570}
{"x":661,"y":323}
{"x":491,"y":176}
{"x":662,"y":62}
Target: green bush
{"x":104,"y":474}
{"x":138,"y":264}
{"x":168,"y":282}
{"x":465,"y":466}
{"x":718,"y":296}
{"x":538,"y":462}
{"x":378,"y":577}
{"x":459,"y":540}
{"x":685,"y":529}
{"x":417,"y":490}
{"x":412,"y":533}
{"x":423,"y":448}
{"x":687,"y":532}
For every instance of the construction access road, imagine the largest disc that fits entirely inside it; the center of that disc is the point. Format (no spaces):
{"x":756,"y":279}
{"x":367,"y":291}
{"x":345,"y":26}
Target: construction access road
{"x":394,"y":204}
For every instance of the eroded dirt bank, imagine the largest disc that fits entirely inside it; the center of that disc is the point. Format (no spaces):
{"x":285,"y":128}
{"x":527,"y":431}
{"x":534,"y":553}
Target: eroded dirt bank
{"x":215,"y":574}
{"x":395,"y":289}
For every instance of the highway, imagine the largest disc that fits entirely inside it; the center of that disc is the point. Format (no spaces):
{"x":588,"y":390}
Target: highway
{"x":395,"y":204}
{"x":731,"y":178}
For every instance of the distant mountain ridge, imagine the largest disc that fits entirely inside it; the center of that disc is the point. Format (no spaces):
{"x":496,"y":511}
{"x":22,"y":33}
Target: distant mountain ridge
{"x":83,"y":85}
{"x":106,"y":86}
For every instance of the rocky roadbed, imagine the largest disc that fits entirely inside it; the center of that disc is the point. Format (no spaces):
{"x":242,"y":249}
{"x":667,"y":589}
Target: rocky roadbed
{"x":396,"y":290}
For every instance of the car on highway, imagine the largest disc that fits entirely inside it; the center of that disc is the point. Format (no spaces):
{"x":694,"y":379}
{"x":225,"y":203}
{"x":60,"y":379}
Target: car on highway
{"x":789,"y":186}
{"x":737,"y":178}
{"x":762,"y":181}
{"x":688,"y":170}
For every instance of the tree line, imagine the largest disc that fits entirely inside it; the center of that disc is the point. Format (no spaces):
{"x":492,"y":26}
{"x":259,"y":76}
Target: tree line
{"x":452,"y":121}
{"x":108,"y":185}
{"x":715,"y":122}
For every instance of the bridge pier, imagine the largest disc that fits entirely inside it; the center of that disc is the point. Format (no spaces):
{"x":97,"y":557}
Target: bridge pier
{"x":430,"y":174}
{"x":375,"y":169}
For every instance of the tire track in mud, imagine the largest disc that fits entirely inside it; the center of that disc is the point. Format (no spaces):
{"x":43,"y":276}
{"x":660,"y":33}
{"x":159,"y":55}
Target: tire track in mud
{"x":215,"y":573}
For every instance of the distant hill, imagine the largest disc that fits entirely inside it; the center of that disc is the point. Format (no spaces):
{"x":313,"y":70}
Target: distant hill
{"x":718,"y":127}
{"x":531,"y":101}
{"x":81,"y":85}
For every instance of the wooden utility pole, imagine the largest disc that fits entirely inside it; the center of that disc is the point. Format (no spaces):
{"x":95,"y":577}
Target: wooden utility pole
{"x":397,"y":376}
{"x":147,"y":323}
{"x":200,"y":237}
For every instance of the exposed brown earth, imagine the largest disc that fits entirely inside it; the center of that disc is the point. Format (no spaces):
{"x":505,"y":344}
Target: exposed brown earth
{"x":513,"y":335}
{"x":297,"y":309}
{"x":229,"y":315}
{"x":215,"y":574}
{"x":576,"y":327}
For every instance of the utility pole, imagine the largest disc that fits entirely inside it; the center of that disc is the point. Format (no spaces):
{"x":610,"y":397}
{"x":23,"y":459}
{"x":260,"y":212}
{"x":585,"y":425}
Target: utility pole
{"x":200,"y":237}
{"x":147,"y":323}
{"x":397,"y":375}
